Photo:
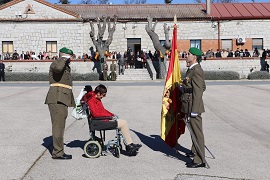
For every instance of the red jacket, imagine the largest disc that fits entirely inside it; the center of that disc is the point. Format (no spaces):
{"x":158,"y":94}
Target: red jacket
{"x":96,"y":107}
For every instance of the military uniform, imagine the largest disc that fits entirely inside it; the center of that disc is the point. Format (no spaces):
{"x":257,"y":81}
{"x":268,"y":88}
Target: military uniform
{"x":59,"y":98}
{"x":105,"y":71}
{"x":192,"y":102}
{"x":113,"y":72}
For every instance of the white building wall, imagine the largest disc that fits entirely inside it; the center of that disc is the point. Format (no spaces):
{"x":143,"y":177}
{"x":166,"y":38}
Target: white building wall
{"x":32,"y":36}
{"x":246,"y":29}
{"x":41,"y":11}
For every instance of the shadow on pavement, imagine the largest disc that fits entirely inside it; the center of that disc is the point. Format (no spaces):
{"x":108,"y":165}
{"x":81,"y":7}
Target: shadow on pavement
{"x":76,"y":144}
{"x":47,"y":143}
{"x":155,"y":143}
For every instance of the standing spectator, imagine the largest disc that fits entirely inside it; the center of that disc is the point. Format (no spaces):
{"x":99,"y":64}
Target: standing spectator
{"x":105,"y":71}
{"x":59,"y":98}
{"x":121,"y":65}
{"x":192,"y":103}
{"x":266,"y":66}
{"x":3,"y":56}
{"x":2,"y":71}
{"x":150,"y":55}
{"x":113,"y":71}
{"x":256,"y":53}
{"x":131,"y":60}
{"x":129,"y":50}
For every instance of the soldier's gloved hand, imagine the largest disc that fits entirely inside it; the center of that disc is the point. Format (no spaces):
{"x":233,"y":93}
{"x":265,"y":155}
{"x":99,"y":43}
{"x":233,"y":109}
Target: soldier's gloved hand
{"x":193,"y":114}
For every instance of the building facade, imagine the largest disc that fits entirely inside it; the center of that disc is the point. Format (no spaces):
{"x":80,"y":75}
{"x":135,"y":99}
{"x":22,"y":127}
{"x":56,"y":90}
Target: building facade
{"x":38,"y":26}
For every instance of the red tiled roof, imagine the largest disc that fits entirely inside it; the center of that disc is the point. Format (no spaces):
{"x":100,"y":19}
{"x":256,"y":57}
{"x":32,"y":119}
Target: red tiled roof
{"x":11,"y":3}
{"x":231,"y":11}
{"x":139,"y":12}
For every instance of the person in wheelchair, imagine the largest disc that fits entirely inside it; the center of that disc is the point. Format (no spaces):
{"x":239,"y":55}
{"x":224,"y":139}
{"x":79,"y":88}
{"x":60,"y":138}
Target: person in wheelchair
{"x":93,"y":99}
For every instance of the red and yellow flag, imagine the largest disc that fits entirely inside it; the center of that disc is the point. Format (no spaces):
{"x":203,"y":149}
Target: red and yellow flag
{"x":171,"y":124}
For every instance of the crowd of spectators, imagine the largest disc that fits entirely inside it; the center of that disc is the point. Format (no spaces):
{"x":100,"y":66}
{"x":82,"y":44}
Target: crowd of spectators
{"x":28,"y":55}
{"x":238,"y":53}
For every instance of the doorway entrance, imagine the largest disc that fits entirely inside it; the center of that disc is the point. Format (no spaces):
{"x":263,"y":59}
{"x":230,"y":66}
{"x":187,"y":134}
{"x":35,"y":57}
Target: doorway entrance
{"x":134,"y":44}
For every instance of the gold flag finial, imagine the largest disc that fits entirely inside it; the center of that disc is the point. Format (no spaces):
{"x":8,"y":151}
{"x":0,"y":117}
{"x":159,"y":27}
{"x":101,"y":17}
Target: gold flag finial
{"x":175,"y":19}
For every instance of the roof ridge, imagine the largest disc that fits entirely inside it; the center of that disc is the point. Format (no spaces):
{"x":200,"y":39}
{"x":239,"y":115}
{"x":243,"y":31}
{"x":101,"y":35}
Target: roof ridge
{"x":10,"y":3}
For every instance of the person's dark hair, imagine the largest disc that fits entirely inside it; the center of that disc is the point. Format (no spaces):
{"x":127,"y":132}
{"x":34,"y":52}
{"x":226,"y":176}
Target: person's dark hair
{"x":100,"y":89}
{"x":199,"y":59}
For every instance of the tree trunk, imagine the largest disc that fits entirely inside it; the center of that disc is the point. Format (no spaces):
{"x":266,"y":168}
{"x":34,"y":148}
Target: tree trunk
{"x":150,"y":29}
{"x":101,"y":46}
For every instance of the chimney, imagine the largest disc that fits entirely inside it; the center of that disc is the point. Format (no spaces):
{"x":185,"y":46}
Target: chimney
{"x":208,"y":7}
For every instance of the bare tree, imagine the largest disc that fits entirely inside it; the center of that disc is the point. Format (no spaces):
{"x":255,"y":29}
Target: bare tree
{"x":168,"y":1}
{"x":135,"y":1}
{"x":94,"y":1}
{"x":98,"y":42}
{"x":4,"y":1}
{"x":64,"y":2}
{"x":216,"y":1}
{"x":150,"y":29}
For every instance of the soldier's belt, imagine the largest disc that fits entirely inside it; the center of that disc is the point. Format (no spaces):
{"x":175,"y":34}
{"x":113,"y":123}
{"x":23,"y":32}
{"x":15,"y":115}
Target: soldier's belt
{"x":61,"y":85}
{"x":187,"y":90}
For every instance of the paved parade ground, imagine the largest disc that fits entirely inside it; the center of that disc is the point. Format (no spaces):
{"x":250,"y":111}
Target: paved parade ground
{"x":236,"y":128}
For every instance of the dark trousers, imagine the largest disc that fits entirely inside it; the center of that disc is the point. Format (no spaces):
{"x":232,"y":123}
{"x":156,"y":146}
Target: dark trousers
{"x":58,"y":114}
{"x":196,"y":126}
{"x":2,"y":75}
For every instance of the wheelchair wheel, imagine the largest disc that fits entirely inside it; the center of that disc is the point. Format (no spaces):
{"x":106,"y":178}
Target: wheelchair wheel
{"x":92,"y":149}
{"x":116,"y":152}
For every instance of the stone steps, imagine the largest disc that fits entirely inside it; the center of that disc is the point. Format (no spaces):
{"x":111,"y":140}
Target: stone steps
{"x":134,"y":75}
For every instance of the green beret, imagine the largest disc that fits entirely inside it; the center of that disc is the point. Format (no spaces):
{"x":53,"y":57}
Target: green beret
{"x":195,"y":51}
{"x":66,"y":51}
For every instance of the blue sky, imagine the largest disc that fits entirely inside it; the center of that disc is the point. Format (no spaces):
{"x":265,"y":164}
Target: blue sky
{"x":154,"y":1}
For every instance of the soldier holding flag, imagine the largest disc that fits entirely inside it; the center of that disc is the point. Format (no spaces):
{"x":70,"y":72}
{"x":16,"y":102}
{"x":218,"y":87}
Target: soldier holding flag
{"x":192,"y":104}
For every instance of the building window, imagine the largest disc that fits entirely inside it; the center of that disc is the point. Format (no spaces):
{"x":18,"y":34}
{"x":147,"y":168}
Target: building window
{"x":195,"y":43}
{"x":257,"y":43}
{"x":7,"y":46}
{"x":51,"y":46}
{"x":226,"y":44}
{"x":162,"y":42}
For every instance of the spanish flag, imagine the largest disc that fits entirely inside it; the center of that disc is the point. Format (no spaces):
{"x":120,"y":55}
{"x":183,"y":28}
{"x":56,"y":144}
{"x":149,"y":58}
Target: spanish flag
{"x":172,"y":125}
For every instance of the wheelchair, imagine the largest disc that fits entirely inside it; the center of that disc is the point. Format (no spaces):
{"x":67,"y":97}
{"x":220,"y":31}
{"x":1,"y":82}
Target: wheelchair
{"x":96,"y":146}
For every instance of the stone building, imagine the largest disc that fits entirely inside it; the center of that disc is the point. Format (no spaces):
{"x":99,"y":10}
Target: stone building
{"x":37,"y":25}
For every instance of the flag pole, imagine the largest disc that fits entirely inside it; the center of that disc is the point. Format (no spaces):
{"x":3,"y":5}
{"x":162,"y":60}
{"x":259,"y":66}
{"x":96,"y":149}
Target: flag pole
{"x":175,"y":118}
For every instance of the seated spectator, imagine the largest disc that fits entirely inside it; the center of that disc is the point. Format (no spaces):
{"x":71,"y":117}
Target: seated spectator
{"x":241,"y":53}
{"x":93,"y":99}
{"x":230,"y":54}
{"x":7,"y":56}
{"x":218,"y":53}
{"x":247,"y":54}
{"x":40,"y":56}
{"x":224,"y":53}
{"x":15,"y":55}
